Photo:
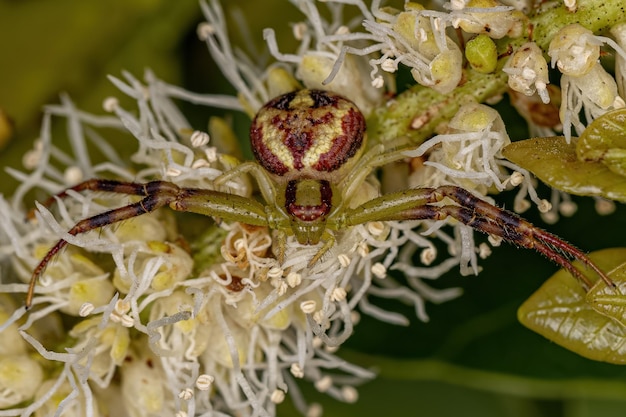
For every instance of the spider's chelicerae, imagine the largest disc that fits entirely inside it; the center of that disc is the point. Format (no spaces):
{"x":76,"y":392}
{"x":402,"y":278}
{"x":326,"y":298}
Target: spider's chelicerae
{"x":310,"y":160}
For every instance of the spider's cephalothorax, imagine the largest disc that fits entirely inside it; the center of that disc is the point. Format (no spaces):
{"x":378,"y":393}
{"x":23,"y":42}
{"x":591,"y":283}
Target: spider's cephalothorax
{"x":309,"y":146}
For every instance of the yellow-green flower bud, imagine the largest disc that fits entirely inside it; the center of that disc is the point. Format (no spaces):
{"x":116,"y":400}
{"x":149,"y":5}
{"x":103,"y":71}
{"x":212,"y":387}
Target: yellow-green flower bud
{"x":481,"y":53}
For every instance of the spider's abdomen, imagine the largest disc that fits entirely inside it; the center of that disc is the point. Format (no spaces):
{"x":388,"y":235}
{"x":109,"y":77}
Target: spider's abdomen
{"x":307,"y":131}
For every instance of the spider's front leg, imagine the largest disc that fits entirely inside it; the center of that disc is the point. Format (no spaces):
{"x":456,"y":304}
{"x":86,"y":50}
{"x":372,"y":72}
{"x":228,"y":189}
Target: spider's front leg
{"x":420,"y":204}
{"x":155,"y":194}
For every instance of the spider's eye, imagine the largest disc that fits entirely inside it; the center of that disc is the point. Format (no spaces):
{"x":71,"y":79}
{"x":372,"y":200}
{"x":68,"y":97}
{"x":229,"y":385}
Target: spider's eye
{"x":307,"y":130}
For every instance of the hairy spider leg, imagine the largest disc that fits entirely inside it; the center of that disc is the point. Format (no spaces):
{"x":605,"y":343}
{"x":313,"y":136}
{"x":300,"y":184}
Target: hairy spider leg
{"x":150,"y":202}
{"x":418,"y":204}
{"x":95,"y":184}
{"x":257,"y":172}
{"x":374,"y":158}
{"x":155,"y":194}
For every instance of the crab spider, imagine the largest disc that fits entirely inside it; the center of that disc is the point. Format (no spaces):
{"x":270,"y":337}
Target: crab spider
{"x":310,"y":160}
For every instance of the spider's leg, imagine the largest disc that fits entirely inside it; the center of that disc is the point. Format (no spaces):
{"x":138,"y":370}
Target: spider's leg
{"x":419,"y":204}
{"x":230,"y":207}
{"x":257,"y":172}
{"x":96,"y":184}
{"x":375,"y":157}
{"x":329,"y":242}
{"x":157,"y":194}
{"x":490,"y":219}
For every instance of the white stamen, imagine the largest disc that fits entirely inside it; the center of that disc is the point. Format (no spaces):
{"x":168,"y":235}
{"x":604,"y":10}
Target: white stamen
{"x":308,"y":306}
{"x":317,"y":342}
{"x":278,"y":396}
{"x":349,"y":394}
{"x":294,"y":279}
{"x":544,"y":206}
{"x":205,"y":30}
{"x":494,"y":240}
{"x":73,"y":175}
{"x":344,"y":260}
{"x":281,"y":288}
{"x":31,"y":159}
{"x":484,"y":250}
{"x":200,"y":163}
{"x":604,"y":207}
{"x":379,"y":270}
{"x":389,"y":65}
{"x":204,"y":382}
{"x":362,"y":249}
{"x":319,"y":317}
{"x":211,"y":154}
{"x":568,"y":208}
{"x":378,"y":82}
{"x":296,"y":370}
{"x":110,"y":104}
{"x":428,"y":255}
{"x":331,"y":349}
{"x":85,"y":309}
{"x":127,"y":321}
{"x":122,"y":307}
{"x":550,"y":217}
{"x":315,"y":410}
{"x":186,"y":394}
{"x":299,"y":29}
{"x":516,"y":178}
{"x":521,"y":205}
{"x":324,"y":383}
{"x":339,"y":294}
{"x":275,"y":272}
{"x":199,"y":138}
{"x":376,"y":229}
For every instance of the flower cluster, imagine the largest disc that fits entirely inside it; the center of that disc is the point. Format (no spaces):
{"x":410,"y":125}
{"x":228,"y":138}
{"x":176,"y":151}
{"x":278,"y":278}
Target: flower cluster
{"x":212,"y":323}
{"x":586,"y":86}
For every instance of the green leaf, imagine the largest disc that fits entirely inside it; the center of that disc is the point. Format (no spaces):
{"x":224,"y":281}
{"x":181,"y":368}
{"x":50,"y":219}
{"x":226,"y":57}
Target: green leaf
{"x":610,"y":301}
{"x":555,"y":162}
{"x":559,"y":311}
{"x":604,"y":140}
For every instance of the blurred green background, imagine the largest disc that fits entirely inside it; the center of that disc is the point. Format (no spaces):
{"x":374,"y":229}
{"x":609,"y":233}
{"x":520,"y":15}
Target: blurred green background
{"x":471,"y":359}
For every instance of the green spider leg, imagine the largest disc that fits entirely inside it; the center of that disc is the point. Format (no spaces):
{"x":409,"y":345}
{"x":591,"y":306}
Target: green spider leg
{"x":266,"y":187}
{"x":154,"y":195}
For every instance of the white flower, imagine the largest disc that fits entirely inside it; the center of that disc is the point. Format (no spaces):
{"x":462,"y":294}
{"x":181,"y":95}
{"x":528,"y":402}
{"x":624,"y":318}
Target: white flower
{"x":416,"y":38}
{"x":574,"y":50}
{"x":585,"y":84}
{"x":470,"y":154}
{"x":488,"y":17}
{"x":321,"y":61}
{"x":528,"y":71}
